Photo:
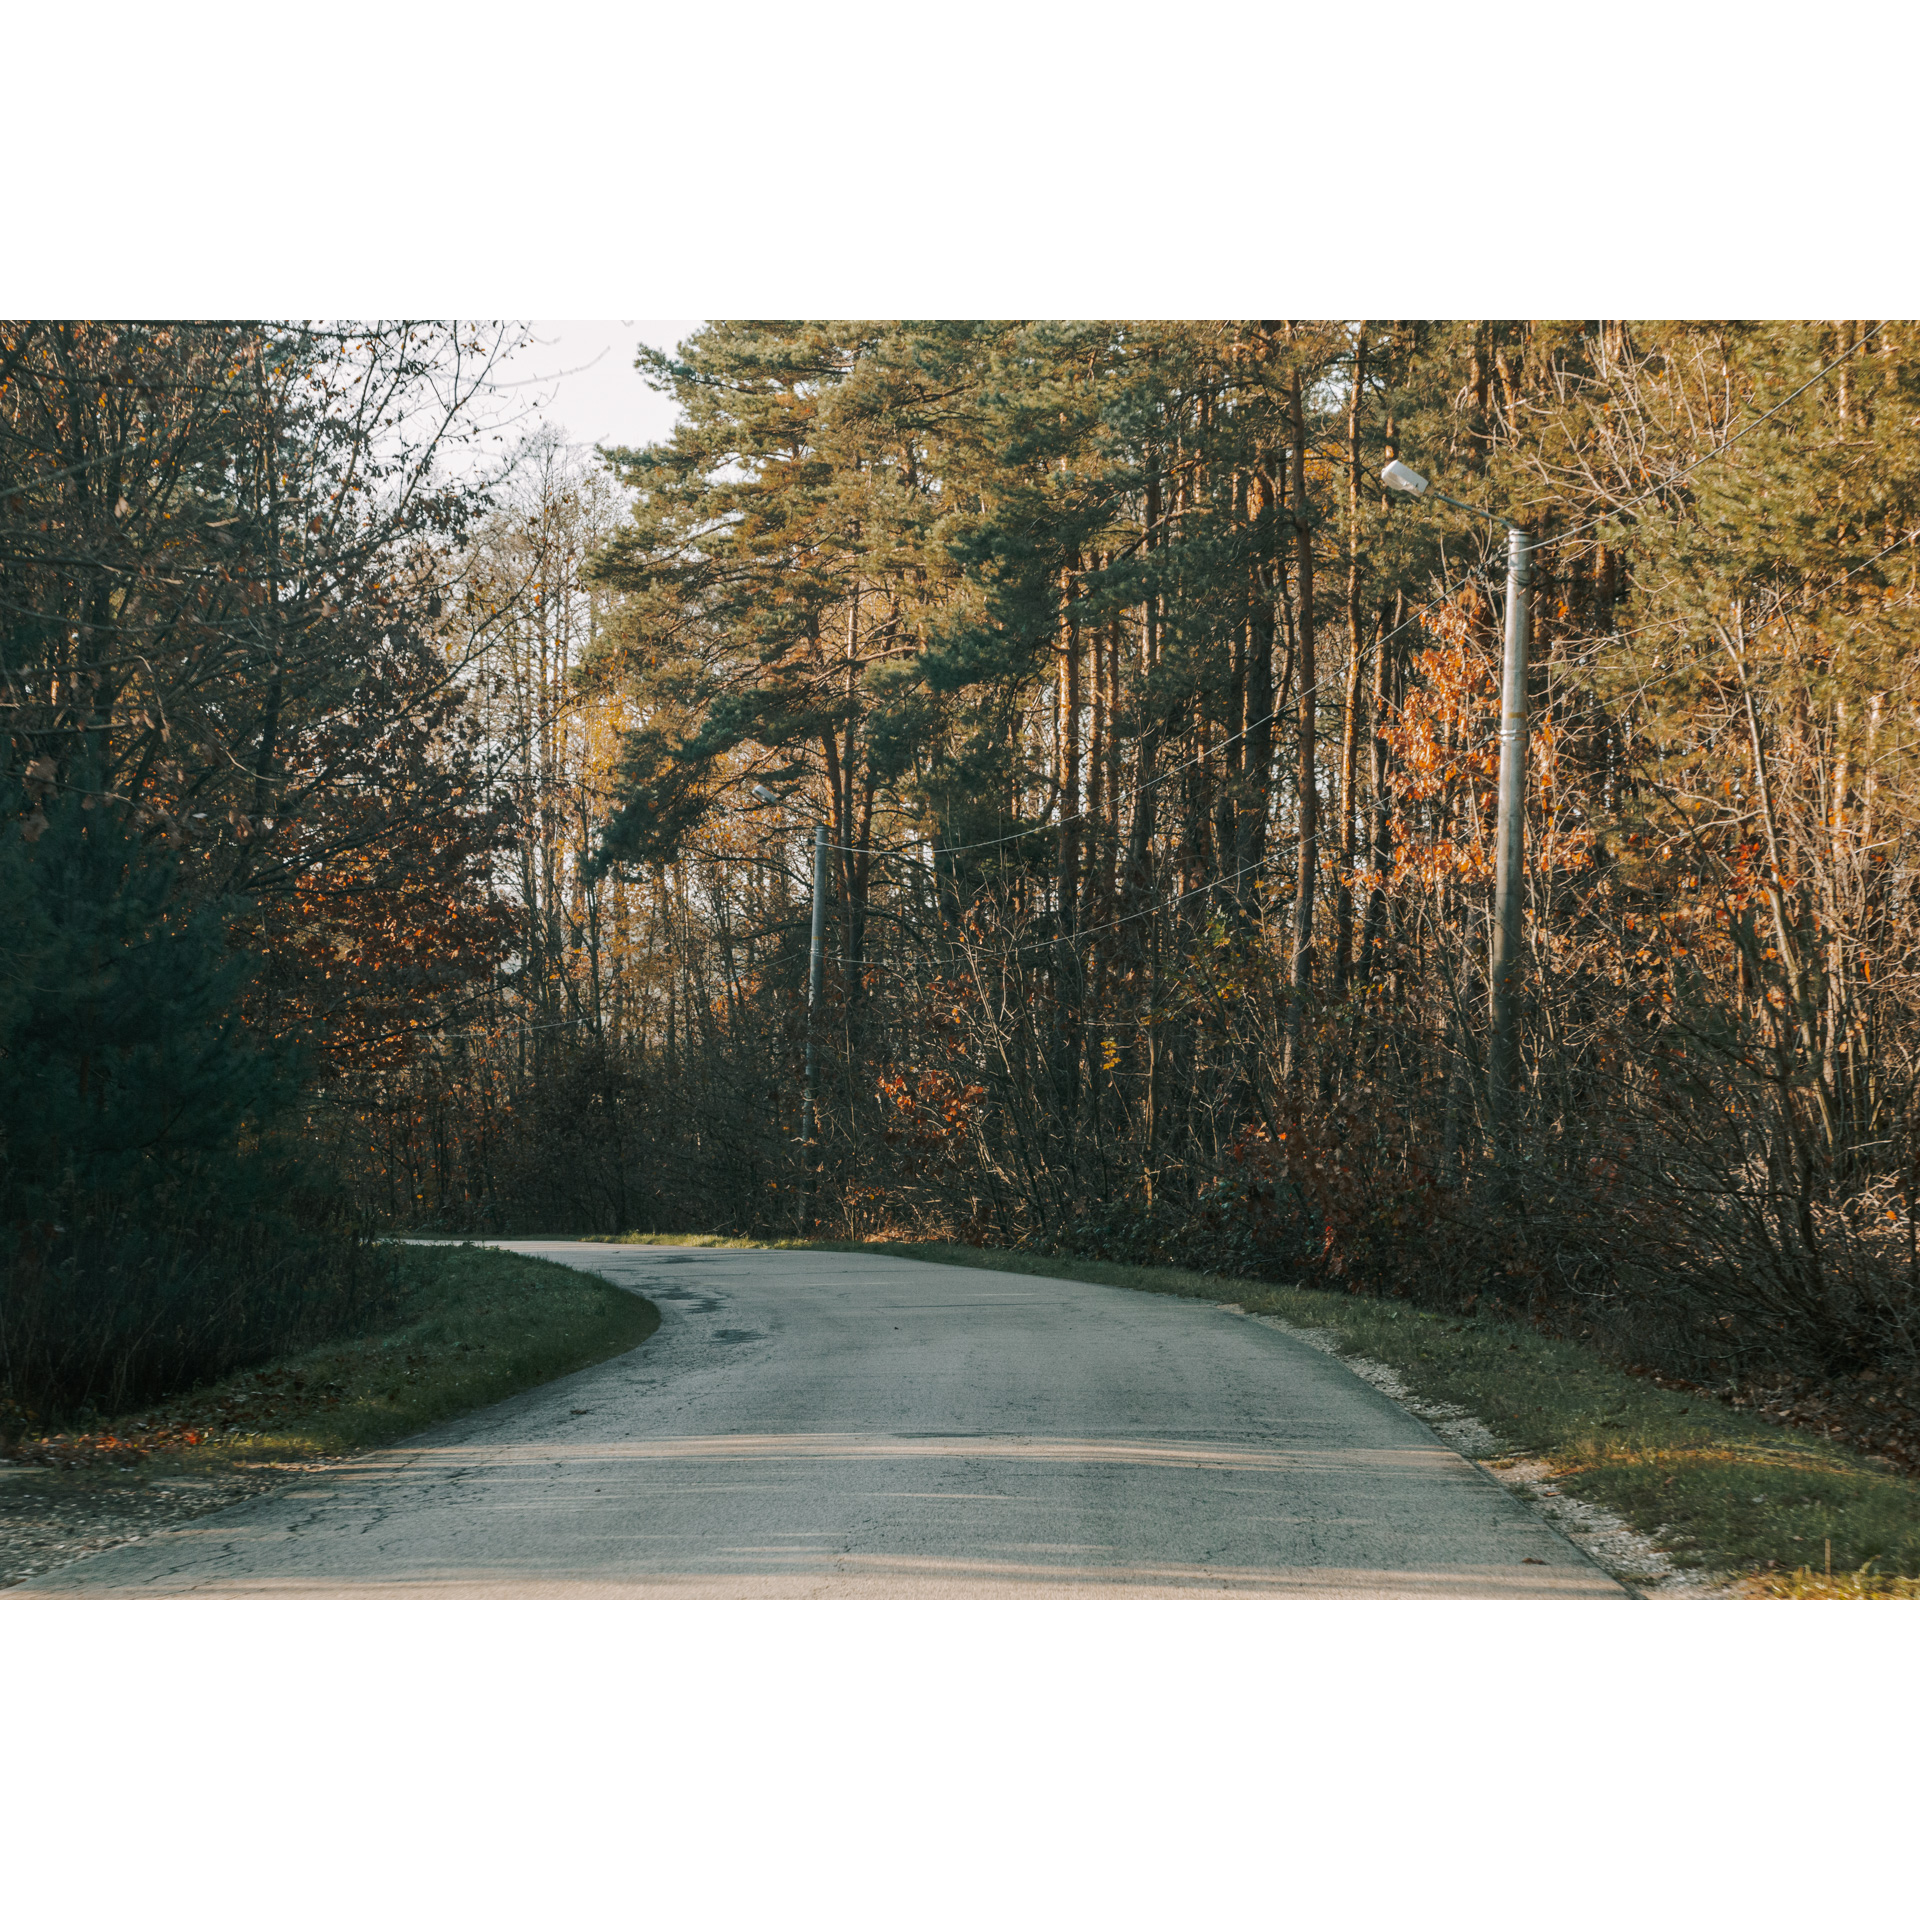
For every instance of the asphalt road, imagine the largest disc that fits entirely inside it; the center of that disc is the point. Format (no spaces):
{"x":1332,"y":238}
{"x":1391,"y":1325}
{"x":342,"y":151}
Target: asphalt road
{"x":824,"y":1425}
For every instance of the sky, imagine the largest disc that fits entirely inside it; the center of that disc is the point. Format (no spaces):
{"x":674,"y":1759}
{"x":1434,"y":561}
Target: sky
{"x":580,"y":374}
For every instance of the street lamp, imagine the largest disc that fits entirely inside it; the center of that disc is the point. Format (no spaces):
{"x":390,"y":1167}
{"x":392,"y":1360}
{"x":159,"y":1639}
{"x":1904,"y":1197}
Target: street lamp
{"x":1510,"y":835}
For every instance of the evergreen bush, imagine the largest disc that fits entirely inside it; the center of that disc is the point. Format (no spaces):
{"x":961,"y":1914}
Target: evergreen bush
{"x":157,"y":1228}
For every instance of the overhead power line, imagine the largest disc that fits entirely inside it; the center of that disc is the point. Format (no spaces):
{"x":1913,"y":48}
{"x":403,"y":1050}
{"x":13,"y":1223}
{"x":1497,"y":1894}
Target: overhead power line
{"x":1713,"y":453}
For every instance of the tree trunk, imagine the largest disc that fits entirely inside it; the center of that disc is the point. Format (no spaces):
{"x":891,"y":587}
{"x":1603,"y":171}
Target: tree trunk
{"x":1309,"y":798}
{"x":1349,"y":710}
{"x":1067,"y":893}
{"x":1379,"y":793}
{"x":1257,"y":769}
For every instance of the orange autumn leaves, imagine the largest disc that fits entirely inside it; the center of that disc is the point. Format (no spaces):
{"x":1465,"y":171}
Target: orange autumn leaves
{"x":1445,"y":761}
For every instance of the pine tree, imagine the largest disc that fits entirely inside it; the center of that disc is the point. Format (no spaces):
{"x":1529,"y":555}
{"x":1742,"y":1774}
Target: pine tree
{"x":131,"y":1079}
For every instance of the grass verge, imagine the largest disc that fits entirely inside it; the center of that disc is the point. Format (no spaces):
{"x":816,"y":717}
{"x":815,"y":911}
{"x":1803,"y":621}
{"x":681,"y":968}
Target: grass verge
{"x":472,"y":1325}
{"x":1719,"y":1488}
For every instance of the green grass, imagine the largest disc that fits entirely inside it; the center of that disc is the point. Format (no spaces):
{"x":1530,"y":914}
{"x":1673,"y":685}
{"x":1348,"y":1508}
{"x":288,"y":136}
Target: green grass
{"x":473,"y":1326}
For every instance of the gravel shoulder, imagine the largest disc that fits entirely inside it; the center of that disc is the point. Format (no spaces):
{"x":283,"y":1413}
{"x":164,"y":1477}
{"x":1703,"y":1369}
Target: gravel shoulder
{"x":51,"y":1517}
{"x":483,"y":1326}
{"x":1633,"y":1558}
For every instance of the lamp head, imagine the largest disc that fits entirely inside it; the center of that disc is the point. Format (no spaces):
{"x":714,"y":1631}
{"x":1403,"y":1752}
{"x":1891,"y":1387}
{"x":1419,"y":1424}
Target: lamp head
{"x":763,"y":793}
{"x":1403,"y":479}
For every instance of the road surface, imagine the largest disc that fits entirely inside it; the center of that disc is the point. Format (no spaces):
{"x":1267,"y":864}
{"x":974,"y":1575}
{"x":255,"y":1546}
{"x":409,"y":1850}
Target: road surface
{"x":826,"y":1425}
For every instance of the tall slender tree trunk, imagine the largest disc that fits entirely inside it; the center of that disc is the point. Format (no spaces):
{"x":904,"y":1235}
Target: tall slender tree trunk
{"x":1070,"y":690}
{"x":1230,"y":798}
{"x":1349,"y":710}
{"x":1478,"y":437}
{"x":853,"y":832}
{"x":1139,"y":1055}
{"x":1257,"y":771}
{"x":1110,"y":823}
{"x":1137,"y":877}
{"x":1097,"y":723}
{"x":1379,"y":793}
{"x":1067,"y":893}
{"x":1308,"y":802}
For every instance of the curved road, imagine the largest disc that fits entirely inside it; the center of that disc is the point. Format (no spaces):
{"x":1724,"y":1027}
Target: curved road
{"x":826,"y":1425}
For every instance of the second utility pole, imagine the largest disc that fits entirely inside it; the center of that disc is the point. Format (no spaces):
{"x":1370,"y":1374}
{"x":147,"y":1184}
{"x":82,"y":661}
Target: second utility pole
{"x":816,"y":970}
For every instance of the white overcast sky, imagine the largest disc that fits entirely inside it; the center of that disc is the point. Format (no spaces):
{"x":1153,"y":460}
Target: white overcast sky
{"x":583,"y":381}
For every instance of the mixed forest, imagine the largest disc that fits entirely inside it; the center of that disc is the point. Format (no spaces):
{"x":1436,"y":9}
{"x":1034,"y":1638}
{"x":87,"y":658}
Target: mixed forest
{"x":409,"y":817}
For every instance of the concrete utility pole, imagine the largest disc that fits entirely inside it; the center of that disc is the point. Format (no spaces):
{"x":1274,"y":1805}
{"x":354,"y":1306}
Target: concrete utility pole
{"x":1510,"y":833}
{"x":1509,"y":842}
{"x":816,"y":970}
